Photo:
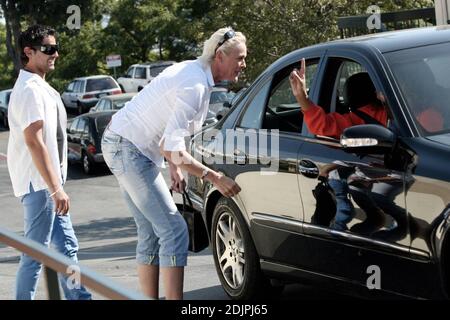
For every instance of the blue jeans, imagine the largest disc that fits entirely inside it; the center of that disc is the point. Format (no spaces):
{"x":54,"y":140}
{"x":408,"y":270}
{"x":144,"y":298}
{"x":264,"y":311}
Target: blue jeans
{"x":344,"y":207}
{"x":162,"y":232}
{"x":44,"y":226}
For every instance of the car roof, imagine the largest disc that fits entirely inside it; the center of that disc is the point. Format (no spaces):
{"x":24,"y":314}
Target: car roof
{"x":119,"y":96}
{"x":94,"y":77}
{"x":400,"y":39}
{"x":152,"y":64}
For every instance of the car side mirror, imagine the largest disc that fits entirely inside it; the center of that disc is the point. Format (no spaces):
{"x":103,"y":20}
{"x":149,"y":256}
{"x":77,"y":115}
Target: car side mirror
{"x":368,"y":139}
{"x":69,"y":90}
{"x":227,"y":104}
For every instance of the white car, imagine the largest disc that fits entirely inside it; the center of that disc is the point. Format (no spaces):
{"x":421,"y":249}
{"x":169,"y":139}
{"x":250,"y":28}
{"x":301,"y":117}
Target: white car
{"x":83,"y":93}
{"x":138,"y":75}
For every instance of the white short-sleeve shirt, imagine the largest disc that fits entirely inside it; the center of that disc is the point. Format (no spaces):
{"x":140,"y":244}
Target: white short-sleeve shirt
{"x":33,"y":99}
{"x":174,"y":105}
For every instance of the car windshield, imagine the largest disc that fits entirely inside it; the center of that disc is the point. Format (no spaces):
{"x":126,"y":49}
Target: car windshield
{"x":119,"y":103}
{"x":100,"y":84}
{"x":423,"y":77}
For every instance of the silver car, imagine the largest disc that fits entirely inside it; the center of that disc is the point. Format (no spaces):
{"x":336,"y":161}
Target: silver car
{"x":83,"y":93}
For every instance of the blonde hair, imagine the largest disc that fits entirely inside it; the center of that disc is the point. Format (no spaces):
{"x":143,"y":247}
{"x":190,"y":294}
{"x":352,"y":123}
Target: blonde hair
{"x":210,"y":45}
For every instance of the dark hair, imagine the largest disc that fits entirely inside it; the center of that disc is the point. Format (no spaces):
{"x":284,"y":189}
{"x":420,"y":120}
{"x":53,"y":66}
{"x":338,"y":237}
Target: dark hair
{"x":33,"y":36}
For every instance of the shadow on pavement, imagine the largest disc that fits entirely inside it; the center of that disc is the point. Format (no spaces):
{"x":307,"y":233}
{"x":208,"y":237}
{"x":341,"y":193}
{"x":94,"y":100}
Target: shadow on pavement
{"x":75,"y":171}
{"x":210,"y":293}
{"x":106,"y":228}
{"x":123,"y":250}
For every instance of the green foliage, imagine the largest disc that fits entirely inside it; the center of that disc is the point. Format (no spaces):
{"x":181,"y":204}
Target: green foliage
{"x":148,"y":30}
{"x":6,"y":66}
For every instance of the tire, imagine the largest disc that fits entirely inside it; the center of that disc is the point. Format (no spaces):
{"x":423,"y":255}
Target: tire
{"x":140,"y":88}
{"x":235,"y":256}
{"x":87,"y":163}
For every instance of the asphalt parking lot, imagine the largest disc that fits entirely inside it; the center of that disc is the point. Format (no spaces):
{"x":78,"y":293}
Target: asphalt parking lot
{"x":107,"y":237}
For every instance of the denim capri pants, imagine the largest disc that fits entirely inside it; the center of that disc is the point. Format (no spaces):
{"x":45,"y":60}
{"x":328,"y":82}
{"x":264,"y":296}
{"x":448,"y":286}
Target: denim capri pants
{"x":162,"y":232}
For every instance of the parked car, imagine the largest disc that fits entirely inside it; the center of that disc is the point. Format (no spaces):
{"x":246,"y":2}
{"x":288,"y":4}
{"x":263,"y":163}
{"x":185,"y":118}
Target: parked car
{"x":83,"y":93}
{"x":397,"y":243}
{"x":4,"y":101}
{"x":219,"y":104}
{"x":84,"y":134}
{"x":114,"y":102}
{"x":138,"y":75}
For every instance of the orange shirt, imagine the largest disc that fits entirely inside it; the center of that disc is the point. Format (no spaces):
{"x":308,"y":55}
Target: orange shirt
{"x":333,"y":124}
{"x":431,"y":120}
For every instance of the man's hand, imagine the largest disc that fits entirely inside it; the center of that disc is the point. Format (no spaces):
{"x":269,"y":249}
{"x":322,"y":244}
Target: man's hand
{"x":226,"y":186}
{"x":62,"y":202}
{"x":177,"y":178}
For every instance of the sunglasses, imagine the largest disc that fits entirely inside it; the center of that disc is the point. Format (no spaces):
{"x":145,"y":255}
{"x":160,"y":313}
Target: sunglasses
{"x":48,"y":49}
{"x":227,"y":36}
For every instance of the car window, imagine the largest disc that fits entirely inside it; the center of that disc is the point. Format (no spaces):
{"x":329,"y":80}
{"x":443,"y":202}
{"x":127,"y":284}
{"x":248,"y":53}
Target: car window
{"x":100,"y":105}
{"x":2,"y":98}
{"x":107,"y":105}
{"x":101,"y":123}
{"x":283,"y":111}
{"x":80,"y":126}
{"x":119,"y":104}
{"x":423,"y":77}
{"x":77,"y":86}
{"x":100,"y":84}
{"x":130,"y":72}
{"x":70,"y":87}
{"x":253,"y":113}
{"x":154,"y":71}
{"x":73,"y":126}
{"x":348,"y":68}
{"x":141,"y":73}
{"x":8,"y":95}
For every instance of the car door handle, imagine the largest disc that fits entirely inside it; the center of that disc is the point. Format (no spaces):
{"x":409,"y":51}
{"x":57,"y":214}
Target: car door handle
{"x":308,"y":168}
{"x":240,"y":157}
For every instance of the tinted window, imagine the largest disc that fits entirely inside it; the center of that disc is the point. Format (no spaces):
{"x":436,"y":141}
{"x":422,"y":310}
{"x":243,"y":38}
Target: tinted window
{"x":101,"y":123}
{"x":423,"y":77}
{"x":154,"y":71}
{"x":130,"y":72}
{"x":77,"y":87}
{"x":254,"y":112}
{"x":81,"y":125}
{"x":141,"y":73}
{"x":118,"y":104}
{"x":70,"y":86}
{"x":73,"y":126}
{"x":100,"y":84}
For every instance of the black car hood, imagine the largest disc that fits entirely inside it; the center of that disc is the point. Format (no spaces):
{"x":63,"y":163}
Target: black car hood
{"x":441,"y":138}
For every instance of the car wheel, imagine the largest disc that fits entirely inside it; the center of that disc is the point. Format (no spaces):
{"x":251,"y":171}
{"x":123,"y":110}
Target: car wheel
{"x":235,"y":256}
{"x":88,"y":165}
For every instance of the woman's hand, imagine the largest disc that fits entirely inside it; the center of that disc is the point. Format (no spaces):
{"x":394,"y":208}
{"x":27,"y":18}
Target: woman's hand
{"x":177,"y":179}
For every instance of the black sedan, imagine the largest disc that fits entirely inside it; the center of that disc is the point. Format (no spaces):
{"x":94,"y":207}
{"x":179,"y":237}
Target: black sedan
{"x":391,"y":181}
{"x":84,"y":134}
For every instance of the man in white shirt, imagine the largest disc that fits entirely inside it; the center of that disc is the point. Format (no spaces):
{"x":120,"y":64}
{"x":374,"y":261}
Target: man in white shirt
{"x":152,"y":126}
{"x":37,"y":159}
